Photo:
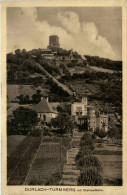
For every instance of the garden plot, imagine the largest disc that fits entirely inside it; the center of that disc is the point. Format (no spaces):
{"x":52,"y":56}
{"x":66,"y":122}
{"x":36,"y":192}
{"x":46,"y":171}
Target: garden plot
{"x":112,"y":168}
{"x":93,"y":88}
{"x":108,"y":149}
{"x":80,"y":88}
{"x":110,"y":156}
{"x":46,"y":166}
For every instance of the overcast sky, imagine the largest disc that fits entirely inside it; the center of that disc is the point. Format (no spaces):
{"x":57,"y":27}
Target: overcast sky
{"x":88,"y":30}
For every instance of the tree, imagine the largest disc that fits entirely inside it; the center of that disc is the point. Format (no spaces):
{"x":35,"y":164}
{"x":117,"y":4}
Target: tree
{"x":11,"y":75}
{"x":17,"y":51}
{"x":90,"y":177}
{"x":38,"y":91}
{"x":23,"y":99}
{"x":20,"y":97}
{"x":24,"y":51}
{"x":26,"y":99}
{"x":83,"y":152}
{"x":89,"y":161}
{"x":115,"y":133}
{"x":84,"y":126}
{"x":63,"y":123}
{"x":11,"y":127}
{"x":25,"y":118}
{"x":100,"y":133}
{"x":59,"y":109}
{"x":37,"y":97}
{"x":87,"y":140}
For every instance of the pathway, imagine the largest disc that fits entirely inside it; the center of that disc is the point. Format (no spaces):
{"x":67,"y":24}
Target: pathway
{"x":70,"y":171}
{"x":64,"y":87}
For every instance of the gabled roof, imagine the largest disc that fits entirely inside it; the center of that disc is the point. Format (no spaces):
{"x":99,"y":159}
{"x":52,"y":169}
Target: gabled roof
{"x":44,"y":107}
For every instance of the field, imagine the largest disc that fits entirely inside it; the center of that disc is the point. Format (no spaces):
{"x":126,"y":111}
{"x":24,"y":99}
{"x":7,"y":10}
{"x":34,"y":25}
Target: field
{"x":110,"y":156}
{"x":82,"y":88}
{"x":46,"y":166}
{"x":101,"y":69}
{"x":77,"y":69}
{"x":13,"y":141}
{"x":16,"y":90}
{"x":112,"y":169}
{"x":18,"y":163}
{"x":108,"y":148}
{"x":93,"y":88}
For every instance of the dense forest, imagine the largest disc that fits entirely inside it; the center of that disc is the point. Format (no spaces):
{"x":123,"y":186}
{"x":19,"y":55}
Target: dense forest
{"x":104,"y":63}
{"x":21,"y":65}
{"x":110,"y":86}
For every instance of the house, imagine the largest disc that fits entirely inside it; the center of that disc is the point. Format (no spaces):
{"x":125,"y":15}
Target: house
{"x":79,"y":111}
{"x":45,"y":110}
{"x":96,"y":120}
{"x":49,"y":56}
{"x":91,"y":119}
{"x":102,"y":122}
{"x":82,"y":112}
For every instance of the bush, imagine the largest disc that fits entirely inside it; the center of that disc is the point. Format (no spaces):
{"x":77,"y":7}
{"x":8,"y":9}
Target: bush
{"x":83,"y":127}
{"x":90,"y":177}
{"x":83,"y":152}
{"x":87,"y":137}
{"x":36,"y":132}
{"x":89,"y":161}
{"x":100,"y":133}
{"x":87,"y":140}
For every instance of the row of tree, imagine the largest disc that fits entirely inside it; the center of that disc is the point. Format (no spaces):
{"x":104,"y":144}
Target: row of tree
{"x":89,"y":165}
{"x":36,"y":98}
{"x":92,"y":76}
{"x":104,"y":63}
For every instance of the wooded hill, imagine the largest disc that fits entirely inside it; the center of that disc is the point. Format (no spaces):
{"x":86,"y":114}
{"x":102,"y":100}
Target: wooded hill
{"x":104,"y":63}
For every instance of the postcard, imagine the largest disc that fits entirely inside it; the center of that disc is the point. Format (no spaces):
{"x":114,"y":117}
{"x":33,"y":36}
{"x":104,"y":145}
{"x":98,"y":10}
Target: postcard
{"x":64,"y":92}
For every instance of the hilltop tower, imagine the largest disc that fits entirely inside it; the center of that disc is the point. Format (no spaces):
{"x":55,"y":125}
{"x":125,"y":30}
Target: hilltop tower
{"x":53,"y":42}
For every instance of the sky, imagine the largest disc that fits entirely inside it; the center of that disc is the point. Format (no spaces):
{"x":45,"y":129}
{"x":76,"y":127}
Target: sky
{"x":93,"y":31}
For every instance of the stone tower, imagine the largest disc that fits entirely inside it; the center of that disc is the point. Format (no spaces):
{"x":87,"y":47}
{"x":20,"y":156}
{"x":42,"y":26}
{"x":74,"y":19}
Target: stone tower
{"x":53,"y":42}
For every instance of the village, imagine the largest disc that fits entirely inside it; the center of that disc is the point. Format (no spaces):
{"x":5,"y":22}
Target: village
{"x":56,"y":126}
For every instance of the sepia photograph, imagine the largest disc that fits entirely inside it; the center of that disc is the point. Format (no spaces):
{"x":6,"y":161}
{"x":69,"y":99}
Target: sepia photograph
{"x":64,"y":96}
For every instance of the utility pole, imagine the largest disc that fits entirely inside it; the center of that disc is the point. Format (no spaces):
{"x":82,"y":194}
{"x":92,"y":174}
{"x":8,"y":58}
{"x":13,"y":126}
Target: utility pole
{"x":60,"y":157}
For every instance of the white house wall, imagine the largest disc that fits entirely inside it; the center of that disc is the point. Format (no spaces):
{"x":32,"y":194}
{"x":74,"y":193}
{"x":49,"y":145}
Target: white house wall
{"x":76,"y":106}
{"x":48,"y":116}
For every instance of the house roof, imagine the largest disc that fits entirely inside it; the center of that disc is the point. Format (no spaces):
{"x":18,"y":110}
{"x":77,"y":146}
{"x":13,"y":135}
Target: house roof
{"x":44,"y":107}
